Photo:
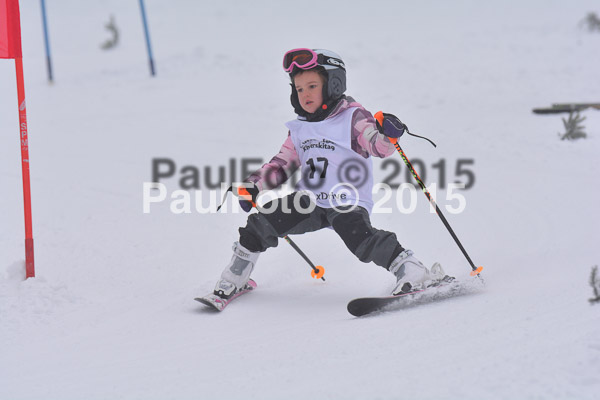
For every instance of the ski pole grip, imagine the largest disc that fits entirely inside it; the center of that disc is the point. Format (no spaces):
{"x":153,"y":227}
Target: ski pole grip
{"x":245,"y":195}
{"x":379,"y":117}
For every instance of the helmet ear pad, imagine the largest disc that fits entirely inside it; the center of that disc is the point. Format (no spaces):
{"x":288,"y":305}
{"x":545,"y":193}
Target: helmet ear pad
{"x":336,"y":83}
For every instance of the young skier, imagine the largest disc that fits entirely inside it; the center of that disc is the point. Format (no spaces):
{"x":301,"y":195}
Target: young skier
{"x":332,"y":141}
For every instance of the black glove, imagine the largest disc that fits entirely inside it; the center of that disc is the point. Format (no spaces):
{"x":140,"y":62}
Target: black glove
{"x":391,"y":126}
{"x":247,"y":192}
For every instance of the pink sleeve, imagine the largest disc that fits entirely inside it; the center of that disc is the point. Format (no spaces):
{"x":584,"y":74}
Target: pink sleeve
{"x":366,"y":139}
{"x":279,"y":169}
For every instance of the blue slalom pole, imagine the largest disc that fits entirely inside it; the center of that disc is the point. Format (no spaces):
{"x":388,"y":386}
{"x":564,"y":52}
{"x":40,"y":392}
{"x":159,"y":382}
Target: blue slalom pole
{"x":150,"y":58}
{"x":47,"y":42}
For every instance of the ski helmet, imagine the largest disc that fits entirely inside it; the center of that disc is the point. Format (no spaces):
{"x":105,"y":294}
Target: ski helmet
{"x":331,"y":62}
{"x":329,"y":65}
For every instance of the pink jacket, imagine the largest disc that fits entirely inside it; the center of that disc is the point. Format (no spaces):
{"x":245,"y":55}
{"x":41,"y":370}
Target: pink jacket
{"x":366,"y":141}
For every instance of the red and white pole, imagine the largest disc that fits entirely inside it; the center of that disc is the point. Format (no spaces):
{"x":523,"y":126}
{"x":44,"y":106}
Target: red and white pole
{"x":29,"y":259}
{"x":10,"y":47}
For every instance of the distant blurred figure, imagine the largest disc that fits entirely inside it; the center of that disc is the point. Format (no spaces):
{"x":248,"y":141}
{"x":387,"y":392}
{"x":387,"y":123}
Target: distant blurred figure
{"x":591,"y":21}
{"x":112,"y":42}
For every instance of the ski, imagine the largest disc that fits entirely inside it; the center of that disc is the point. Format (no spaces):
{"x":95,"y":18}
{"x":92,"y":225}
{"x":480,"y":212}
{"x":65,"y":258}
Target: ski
{"x":566,"y":107}
{"x":446,"y":288}
{"x":219,"y":303}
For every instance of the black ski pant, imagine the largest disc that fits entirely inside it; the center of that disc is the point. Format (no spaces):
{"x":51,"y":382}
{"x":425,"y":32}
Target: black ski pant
{"x":354,"y":227}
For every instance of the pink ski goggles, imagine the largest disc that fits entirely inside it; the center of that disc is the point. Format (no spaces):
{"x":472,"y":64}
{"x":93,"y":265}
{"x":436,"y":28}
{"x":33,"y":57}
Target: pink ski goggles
{"x":301,"y":58}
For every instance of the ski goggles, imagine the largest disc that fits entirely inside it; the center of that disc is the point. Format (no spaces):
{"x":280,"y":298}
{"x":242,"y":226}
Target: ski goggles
{"x":301,"y":58}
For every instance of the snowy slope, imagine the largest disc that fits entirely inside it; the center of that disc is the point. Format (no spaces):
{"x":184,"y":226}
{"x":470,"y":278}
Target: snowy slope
{"x":111,"y":311}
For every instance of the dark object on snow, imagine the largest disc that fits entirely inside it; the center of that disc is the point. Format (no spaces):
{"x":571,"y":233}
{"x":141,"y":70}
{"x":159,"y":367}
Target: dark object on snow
{"x":592,"y":22}
{"x":595,"y":282}
{"x":573,"y":127}
{"x":112,"y":42}
{"x":566,"y":108}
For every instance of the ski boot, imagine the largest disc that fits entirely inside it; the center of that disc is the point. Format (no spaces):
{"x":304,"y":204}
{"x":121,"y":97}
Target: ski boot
{"x":236,"y":275}
{"x":411,"y":274}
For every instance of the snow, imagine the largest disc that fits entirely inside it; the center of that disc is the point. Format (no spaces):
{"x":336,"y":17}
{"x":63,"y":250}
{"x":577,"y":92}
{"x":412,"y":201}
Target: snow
{"x":111,"y":314}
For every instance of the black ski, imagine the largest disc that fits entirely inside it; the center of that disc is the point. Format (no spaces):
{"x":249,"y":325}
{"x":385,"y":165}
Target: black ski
{"x":566,"y":108}
{"x":442,"y":290}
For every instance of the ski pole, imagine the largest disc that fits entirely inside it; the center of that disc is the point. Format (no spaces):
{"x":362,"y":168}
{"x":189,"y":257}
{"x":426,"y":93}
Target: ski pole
{"x":317,"y":271}
{"x":475,"y":270}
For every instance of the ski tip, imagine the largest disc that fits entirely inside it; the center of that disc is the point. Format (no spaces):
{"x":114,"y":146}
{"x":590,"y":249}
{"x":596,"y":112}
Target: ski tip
{"x":477,"y":271}
{"x":357,"y":308}
{"x":215,"y":306}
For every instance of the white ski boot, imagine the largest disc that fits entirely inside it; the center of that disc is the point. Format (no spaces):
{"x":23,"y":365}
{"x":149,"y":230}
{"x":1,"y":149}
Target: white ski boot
{"x":237,"y":273}
{"x":411,"y":274}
